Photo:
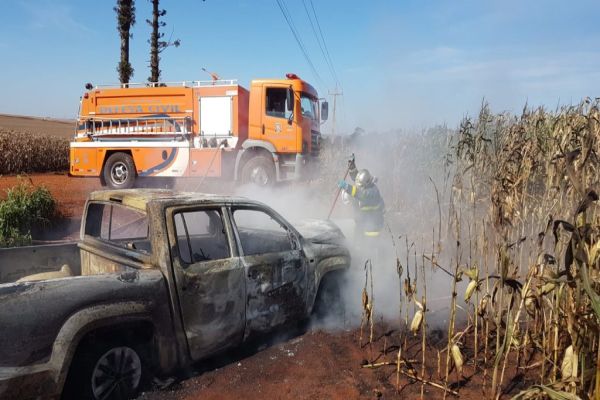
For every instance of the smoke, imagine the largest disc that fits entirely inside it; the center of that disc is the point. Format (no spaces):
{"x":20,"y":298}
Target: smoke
{"x":412,"y":177}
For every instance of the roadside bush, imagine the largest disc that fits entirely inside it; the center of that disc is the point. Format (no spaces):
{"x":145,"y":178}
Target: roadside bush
{"x":28,"y":152}
{"x":25,"y":207}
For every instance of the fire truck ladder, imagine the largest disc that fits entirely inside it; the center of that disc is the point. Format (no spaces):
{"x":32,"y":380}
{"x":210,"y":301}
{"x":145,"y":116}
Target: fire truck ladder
{"x":143,"y":128}
{"x":214,"y":82}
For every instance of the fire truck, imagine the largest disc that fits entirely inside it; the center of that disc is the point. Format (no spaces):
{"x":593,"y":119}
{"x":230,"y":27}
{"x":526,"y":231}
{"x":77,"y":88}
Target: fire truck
{"x":217,"y":128}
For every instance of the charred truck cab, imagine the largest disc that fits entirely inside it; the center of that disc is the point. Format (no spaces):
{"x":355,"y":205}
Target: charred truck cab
{"x":158,"y":281}
{"x":202,"y":129}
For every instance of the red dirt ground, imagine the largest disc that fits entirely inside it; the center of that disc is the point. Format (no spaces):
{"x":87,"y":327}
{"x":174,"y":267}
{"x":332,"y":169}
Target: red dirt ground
{"x":321,"y":365}
{"x":70,"y":193}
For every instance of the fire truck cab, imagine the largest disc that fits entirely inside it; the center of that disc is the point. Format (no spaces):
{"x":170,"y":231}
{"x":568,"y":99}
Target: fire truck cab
{"x":198,"y":129}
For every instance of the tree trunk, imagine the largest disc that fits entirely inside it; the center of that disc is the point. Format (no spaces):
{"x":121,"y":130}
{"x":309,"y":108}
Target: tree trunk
{"x":125,"y":10}
{"x":154,"y":58}
{"x":125,"y":66}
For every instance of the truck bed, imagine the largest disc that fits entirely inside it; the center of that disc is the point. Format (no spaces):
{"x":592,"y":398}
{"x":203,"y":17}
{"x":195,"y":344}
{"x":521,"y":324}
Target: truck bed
{"x":17,"y":262}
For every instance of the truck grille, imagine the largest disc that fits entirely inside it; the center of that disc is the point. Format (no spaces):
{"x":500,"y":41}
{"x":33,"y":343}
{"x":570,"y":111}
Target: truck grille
{"x":315,"y":143}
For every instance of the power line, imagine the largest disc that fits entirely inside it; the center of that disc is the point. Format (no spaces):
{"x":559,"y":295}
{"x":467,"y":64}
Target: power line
{"x":324,"y":43}
{"x":335,"y":94}
{"x":327,"y":60}
{"x":288,"y":16}
{"x":290,"y":22}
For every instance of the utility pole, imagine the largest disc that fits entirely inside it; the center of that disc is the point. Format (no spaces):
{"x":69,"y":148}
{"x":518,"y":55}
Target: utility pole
{"x":335,"y":94}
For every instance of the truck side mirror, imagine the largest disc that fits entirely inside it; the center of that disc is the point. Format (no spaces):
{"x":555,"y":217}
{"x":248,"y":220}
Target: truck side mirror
{"x":289,"y":101}
{"x":324,"y":110}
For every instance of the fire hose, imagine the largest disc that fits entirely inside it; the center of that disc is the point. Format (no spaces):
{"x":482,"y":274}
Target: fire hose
{"x":339,"y":190}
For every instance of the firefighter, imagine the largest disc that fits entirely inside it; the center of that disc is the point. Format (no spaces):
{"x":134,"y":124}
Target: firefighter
{"x":366,"y":200}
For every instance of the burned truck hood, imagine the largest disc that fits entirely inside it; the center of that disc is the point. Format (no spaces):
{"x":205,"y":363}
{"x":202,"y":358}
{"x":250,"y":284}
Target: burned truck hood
{"x":320,"y":231}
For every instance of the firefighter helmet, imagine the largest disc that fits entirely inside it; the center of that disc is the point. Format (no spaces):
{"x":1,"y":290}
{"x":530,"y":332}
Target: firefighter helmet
{"x":364,"y":178}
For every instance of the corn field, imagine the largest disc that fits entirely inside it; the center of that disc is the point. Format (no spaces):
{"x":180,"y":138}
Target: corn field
{"x":517,"y":222}
{"x":25,"y":152}
{"x":525,"y":188}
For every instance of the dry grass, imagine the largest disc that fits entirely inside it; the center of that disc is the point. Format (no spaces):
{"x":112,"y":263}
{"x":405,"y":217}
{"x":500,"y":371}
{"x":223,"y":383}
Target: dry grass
{"x":23,"y":152}
{"x":528,"y":186}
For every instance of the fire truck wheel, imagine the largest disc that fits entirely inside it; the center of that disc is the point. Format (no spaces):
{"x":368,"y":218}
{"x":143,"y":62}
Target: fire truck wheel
{"x":119,"y":171}
{"x":260,"y":171}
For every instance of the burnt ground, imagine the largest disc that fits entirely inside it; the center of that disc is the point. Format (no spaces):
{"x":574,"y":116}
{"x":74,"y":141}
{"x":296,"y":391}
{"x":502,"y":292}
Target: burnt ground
{"x":330,"y":365}
{"x":314,"y":365}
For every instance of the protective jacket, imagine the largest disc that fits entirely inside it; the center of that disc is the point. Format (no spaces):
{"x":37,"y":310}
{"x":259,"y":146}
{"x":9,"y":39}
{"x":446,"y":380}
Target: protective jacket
{"x":368,"y":207}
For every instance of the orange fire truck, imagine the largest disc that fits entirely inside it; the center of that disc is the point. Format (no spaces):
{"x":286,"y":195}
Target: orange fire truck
{"x":198,"y":129}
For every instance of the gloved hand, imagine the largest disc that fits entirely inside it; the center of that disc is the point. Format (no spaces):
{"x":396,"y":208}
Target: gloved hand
{"x":342,"y":184}
{"x":351,"y":163}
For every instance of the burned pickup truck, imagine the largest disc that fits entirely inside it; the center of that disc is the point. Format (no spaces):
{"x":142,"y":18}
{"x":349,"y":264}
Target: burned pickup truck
{"x":158,"y":280}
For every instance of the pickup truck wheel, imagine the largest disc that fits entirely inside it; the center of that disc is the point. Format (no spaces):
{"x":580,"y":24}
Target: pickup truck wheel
{"x":259,"y":170}
{"x":119,"y":171}
{"x":106,"y":372}
{"x":329,"y":302}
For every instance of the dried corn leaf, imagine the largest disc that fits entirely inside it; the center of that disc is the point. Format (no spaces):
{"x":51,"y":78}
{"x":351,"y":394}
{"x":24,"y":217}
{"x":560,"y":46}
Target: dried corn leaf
{"x":547,"y":288}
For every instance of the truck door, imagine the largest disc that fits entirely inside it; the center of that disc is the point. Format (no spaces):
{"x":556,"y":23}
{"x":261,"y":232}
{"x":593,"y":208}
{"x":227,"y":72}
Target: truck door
{"x":279,"y":126}
{"x":275,"y":269}
{"x":209,"y":277}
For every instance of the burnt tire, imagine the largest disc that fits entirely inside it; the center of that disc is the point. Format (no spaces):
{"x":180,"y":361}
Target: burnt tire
{"x":259,"y":170}
{"x":106,"y":371}
{"x":119,"y":171}
{"x":329,"y":302}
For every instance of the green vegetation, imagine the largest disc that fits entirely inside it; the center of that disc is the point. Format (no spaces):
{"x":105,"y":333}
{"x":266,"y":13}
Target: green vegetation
{"x":24,"y":208}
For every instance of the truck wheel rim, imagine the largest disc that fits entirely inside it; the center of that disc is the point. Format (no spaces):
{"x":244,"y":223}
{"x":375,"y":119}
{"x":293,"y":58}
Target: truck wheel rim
{"x":117,"y":374}
{"x":259,"y":176}
{"x":119,"y":173}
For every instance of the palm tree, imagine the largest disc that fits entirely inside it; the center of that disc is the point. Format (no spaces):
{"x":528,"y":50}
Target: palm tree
{"x":157,"y":45}
{"x":125,"y":10}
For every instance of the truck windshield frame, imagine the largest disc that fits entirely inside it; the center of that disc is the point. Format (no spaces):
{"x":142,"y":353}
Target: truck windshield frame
{"x":309,"y":106}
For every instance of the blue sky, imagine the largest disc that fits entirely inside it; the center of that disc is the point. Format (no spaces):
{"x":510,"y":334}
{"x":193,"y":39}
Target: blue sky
{"x":401,"y":64}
